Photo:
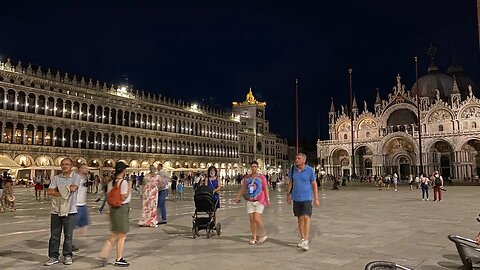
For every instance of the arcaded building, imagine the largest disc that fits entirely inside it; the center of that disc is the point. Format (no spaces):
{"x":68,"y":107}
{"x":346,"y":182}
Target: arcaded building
{"x":45,"y":117}
{"x":386,"y":139}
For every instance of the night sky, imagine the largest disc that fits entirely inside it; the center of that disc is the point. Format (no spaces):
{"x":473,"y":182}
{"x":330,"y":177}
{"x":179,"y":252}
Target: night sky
{"x":212,"y":51}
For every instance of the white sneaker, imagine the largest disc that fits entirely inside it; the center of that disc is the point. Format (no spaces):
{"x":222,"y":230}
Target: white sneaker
{"x":51,"y":261}
{"x":68,"y":260}
{"x":301,"y":243}
{"x":305,"y":245}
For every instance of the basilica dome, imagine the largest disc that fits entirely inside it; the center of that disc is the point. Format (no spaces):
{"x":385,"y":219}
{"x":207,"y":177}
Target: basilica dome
{"x":428,"y":84}
{"x":463,"y":81}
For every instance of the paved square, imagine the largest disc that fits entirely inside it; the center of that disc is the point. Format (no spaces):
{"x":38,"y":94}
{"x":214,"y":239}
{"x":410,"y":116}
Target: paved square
{"x":351,"y":227}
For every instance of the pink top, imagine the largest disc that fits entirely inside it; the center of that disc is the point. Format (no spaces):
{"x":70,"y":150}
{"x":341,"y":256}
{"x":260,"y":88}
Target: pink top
{"x":255,"y":186}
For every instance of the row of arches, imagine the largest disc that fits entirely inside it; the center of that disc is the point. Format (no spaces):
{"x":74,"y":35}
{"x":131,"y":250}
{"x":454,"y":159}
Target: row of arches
{"x":75,"y":138}
{"x":398,"y":155}
{"x":27,"y":160}
{"x":58,"y":107}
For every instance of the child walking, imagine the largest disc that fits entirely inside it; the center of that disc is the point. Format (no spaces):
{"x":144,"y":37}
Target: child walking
{"x":180,"y":190}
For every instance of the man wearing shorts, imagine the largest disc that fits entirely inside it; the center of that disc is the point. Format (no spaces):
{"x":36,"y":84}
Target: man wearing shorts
{"x":255,"y":190}
{"x":300,"y":188}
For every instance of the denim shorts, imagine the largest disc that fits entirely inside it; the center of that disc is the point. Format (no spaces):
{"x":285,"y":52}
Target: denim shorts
{"x":82,"y":219}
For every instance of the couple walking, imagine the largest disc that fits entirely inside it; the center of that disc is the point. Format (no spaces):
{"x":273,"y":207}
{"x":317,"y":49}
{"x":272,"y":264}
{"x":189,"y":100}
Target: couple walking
{"x":301,"y":188}
{"x":154,"y":194}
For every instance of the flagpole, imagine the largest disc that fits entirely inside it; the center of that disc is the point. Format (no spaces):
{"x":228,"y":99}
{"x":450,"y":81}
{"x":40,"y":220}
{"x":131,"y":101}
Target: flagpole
{"x":418,"y":118}
{"x":352,"y":174}
{"x":296,"y":109}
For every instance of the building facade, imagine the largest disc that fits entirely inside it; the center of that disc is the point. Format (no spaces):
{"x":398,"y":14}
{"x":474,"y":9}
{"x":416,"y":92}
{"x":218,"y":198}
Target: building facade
{"x":387,"y":139}
{"x":256,"y":140}
{"x":45,"y":117}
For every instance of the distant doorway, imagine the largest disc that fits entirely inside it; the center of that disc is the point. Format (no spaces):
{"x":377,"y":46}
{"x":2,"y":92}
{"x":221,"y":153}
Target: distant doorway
{"x":405,"y":170}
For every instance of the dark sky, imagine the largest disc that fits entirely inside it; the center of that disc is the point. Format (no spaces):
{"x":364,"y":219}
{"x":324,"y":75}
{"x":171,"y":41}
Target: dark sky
{"x":216,"y":50}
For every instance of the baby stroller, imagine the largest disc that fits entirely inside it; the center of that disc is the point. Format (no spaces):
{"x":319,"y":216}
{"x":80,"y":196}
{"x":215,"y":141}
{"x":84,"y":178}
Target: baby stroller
{"x":204,"y":216}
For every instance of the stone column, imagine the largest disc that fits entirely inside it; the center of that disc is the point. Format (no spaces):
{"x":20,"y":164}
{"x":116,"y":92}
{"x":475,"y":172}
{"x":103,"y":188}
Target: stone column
{"x":34,"y":134}
{"x":63,"y":136}
{"x":15,"y":100}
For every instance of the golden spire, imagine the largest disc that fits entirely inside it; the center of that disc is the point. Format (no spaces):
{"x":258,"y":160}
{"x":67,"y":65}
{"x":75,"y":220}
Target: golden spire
{"x":250,"y":100}
{"x":250,"y":97}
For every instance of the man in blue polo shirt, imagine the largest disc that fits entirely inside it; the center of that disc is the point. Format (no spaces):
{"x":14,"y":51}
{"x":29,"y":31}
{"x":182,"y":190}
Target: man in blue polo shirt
{"x":300,"y":188}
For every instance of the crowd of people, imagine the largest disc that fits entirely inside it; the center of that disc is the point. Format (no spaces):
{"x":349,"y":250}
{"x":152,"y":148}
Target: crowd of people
{"x":70,"y":216}
{"x":422,"y":181}
{"x":69,"y":213}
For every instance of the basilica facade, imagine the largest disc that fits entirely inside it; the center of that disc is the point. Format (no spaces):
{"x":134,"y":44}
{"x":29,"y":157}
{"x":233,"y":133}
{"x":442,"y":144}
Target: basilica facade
{"x":45,"y":117}
{"x":443,"y":119}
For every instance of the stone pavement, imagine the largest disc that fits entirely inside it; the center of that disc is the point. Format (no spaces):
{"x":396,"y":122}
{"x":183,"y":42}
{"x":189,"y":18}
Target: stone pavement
{"x":352,"y":226}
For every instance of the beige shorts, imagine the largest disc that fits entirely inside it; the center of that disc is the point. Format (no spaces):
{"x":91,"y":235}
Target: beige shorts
{"x":254,"y":207}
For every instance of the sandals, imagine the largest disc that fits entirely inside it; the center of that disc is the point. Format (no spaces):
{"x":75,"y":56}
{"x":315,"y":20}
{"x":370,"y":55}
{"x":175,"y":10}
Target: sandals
{"x":259,"y":241}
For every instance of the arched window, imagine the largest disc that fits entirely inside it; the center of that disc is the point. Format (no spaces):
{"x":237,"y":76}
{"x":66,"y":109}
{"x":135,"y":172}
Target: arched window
{"x":91,"y":113}
{"x":31,"y":103}
{"x":68,"y":109}
{"x":21,"y":101}
{"x":474,"y":125}
{"x":50,"y":106}
{"x":76,"y":111}
{"x":2,"y":97}
{"x":84,"y":112}
{"x":76,"y":138}
{"x":11,"y":100}
{"x":58,"y":108}
{"x":440,"y":128}
{"x":345,"y":136}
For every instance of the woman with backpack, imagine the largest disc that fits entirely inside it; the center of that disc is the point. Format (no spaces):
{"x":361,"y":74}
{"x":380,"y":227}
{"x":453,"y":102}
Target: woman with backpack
{"x":118,"y":197}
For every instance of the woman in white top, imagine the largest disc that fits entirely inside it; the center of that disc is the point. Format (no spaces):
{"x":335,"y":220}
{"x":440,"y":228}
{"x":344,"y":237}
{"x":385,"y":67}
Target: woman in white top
{"x":424,"y":185}
{"x":119,"y":217}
